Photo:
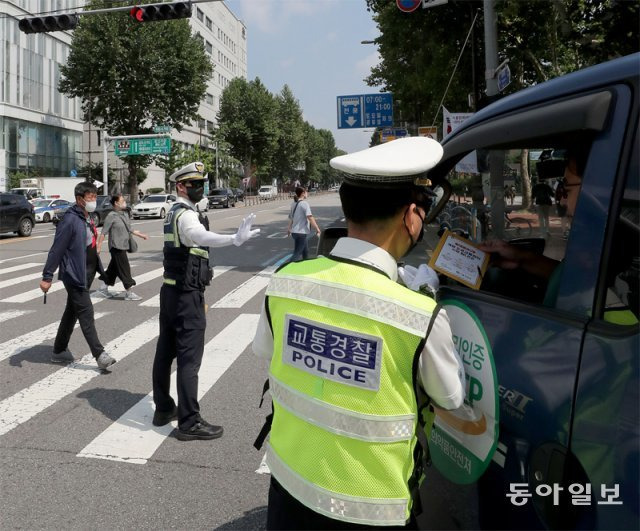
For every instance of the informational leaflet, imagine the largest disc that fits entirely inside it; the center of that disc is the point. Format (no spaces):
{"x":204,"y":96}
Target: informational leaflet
{"x":460,"y":259}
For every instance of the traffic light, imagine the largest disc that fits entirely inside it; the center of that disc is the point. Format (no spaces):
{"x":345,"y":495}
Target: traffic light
{"x":157,"y":12}
{"x":50,"y":23}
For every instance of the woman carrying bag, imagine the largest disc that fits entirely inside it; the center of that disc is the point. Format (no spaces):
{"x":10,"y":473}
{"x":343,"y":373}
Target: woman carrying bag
{"x":300,"y":219}
{"x":118,"y":227}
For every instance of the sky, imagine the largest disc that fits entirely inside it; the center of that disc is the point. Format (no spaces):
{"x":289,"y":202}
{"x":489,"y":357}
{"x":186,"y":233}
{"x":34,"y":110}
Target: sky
{"x":314,"y":47}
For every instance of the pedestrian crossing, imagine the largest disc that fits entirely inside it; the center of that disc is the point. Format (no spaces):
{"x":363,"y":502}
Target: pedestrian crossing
{"x":131,"y":438}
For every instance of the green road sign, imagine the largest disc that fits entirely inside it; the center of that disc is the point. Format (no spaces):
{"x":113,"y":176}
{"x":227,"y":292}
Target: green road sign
{"x":143,"y":146}
{"x":161,"y":128}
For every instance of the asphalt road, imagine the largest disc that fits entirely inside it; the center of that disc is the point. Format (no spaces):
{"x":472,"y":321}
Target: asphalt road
{"x":77,"y":448}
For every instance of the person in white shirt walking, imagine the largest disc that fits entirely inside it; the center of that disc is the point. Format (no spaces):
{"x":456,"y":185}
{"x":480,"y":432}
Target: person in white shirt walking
{"x":300,"y":222}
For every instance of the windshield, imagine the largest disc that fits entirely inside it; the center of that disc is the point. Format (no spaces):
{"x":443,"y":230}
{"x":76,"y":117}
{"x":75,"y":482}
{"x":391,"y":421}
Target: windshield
{"x":155,"y":199}
{"x":41,"y":203}
{"x":21,"y":191}
{"x":265,"y":189}
{"x":218,"y":191}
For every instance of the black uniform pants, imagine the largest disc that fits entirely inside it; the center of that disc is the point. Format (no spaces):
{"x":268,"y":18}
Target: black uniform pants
{"x":284,"y":512}
{"x":79,"y":308}
{"x":182,"y":327}
{"x":118,"y":268}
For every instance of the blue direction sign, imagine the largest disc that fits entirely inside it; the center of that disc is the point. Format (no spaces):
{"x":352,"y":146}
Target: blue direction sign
{"x":365,"y":110}
{"x":504,"y":78}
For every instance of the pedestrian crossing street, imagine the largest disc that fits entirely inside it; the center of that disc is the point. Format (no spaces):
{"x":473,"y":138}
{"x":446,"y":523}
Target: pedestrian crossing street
{"x":131,"y":438}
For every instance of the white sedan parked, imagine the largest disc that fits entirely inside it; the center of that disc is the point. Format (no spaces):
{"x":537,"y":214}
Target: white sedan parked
{"x":153,"y":206}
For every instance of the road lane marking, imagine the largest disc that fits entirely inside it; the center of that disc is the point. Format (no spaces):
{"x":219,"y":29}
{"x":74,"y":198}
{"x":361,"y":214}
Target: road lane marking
{"x":27,"y":403}
{"x":154,"y":302}
{"x":36,"y":337}
{"x":133,"y":438}
{"x":19,"y":267}
{"x":57,"y":286}
{"x":21,"y":257}
{"x":238,"y":297}
{"x":23,"y":238}
{"x":19,"y":280}
{"x":12,"y":314}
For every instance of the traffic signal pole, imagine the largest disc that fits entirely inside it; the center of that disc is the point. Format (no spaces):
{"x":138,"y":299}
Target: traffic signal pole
{"x":107,"y":140}
{"x":496,"y":157}
{"x":140,"y":12}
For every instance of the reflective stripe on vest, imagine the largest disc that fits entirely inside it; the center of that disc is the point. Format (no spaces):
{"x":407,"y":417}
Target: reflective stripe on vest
{"x":351,"y":300}
{"x":372,"y":511}
{"x":374,"y":428}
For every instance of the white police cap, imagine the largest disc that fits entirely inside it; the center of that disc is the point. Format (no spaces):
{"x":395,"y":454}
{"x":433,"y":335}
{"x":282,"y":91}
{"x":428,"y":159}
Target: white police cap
{"x":195,"y":170}
{"x":396,"y":163}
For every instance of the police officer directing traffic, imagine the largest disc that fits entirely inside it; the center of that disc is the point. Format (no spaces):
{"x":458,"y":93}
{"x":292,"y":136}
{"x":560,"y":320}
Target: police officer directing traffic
{"x":187,"y":240}
{"x":353,"y":352}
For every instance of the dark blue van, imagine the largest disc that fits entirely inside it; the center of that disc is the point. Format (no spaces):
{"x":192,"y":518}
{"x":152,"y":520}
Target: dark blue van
{"x":549,"y":435}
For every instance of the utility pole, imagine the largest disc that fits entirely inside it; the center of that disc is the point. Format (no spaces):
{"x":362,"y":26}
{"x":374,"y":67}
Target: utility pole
{"x":496,"y":157}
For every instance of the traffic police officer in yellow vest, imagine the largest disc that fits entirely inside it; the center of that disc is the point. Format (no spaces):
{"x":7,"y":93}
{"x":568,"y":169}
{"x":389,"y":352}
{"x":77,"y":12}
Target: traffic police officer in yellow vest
{"x":187,"y":240}
{"x":350,"y":350}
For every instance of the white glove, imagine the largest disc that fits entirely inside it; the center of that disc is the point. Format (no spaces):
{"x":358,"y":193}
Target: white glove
{"x":244,"y":231}
{"x":422,"y":278}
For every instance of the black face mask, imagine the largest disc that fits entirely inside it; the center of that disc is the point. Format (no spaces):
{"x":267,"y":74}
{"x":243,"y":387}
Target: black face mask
{"x":195,"y":192}
{"x":420,"y":236}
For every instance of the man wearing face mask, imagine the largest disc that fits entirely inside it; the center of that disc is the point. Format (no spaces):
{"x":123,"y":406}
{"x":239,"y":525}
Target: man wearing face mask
{"x":74,"y":250}
{"x":187,"y":240}
{"x":353,"y":353}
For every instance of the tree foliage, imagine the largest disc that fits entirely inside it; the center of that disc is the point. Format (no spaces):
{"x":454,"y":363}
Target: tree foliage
{"x":541,"y":40}
{"x":248,"y":122}
{"x":290,"y":148}
{"x":269,"y":136}
{"x":131,"y":76}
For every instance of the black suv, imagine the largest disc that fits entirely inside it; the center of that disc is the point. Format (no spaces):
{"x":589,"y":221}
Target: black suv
{"x":16,"y":214}
{"x":224,"y":197}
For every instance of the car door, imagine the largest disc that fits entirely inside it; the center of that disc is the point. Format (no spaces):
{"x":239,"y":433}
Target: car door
{"x":532,"y":350}
{"x":4,"y":211}
{"x":11,"y":212}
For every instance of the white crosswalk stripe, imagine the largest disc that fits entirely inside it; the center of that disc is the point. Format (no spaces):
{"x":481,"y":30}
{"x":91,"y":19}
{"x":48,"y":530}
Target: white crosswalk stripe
{"x":247,"y":290}
{"x":27,"y":403}
{"x":12,"y":314}
{"x":133,"y":438}
{"x":20,"y":257}
{"x":32,"y":339}
{"x":20,"y":267}
{"x":57,"y":286}
{"x":154,"y":302}
{"x":18,"y":280}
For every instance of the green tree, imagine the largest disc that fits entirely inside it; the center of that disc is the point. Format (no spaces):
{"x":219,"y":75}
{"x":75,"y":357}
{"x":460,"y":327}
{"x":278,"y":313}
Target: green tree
{"x":248,"y":122}
{"x":290,"y":147}
{"x":418,"y":52}
{"x":131,"y":76}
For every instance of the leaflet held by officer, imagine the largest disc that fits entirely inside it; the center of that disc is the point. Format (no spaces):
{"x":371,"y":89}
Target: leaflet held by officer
{"x":187,"y":273}
{"x":353,"y":352}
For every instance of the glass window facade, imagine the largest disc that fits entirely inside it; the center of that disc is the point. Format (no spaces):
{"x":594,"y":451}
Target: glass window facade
{"x":34,"y":130}
{"x":38,"y":149}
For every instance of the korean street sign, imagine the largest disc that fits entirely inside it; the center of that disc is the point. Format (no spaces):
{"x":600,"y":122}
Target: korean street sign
{"x":161,"y":128}
{"x":393,"y":133}
{"x":365,"y":110}
{"x":143,"y":146}
{"x":431,"y":132}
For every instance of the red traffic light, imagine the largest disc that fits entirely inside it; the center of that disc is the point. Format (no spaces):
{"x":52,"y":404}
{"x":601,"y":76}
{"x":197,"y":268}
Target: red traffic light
{"x":137,"y":13}
{"x":157,"y":12}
